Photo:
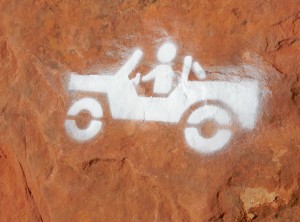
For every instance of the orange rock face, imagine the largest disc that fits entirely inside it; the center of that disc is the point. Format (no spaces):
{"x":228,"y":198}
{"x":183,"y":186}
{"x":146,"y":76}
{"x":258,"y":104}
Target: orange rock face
{"x":140,"y":170}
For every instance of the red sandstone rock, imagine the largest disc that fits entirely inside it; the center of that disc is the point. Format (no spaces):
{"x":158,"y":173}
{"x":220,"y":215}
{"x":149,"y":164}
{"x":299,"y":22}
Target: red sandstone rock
{"x":145,"y":171}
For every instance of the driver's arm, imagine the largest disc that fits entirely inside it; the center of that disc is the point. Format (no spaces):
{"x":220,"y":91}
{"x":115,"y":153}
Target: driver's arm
{"x":149,"y":76}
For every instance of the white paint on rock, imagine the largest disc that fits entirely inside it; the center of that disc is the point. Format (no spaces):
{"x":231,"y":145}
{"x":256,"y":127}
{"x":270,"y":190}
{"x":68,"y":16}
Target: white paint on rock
{"x":198,"y":71}
{"x":209,"y":112}
{"x":125,"y":104}
{"x":217,"y":141}
{"x":163,"y":74}
{"x":88,"y":104}
{"x":93,"y":107}
{"x":83,"y":135}
{"x":167,"y":52}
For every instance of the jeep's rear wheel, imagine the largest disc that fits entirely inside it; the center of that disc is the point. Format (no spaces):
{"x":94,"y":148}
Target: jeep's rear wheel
{"x":208,"y":129}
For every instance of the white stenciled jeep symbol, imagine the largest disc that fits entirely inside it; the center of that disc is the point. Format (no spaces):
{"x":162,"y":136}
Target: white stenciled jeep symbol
{"x":224,"y":102}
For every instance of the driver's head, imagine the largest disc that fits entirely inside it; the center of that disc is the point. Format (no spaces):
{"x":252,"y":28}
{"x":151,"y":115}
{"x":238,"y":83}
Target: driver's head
{"x":167,"y":52}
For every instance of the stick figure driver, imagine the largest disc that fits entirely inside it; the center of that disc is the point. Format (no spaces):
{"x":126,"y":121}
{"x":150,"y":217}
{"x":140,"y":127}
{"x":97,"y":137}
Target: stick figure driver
{"x":163,"y":74}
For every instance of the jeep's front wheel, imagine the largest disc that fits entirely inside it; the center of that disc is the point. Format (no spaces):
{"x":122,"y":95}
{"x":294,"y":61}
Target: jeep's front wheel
{"x":95,"y":110}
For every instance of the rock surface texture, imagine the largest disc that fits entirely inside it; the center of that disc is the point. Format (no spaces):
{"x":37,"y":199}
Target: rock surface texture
{"x":144,"y":171}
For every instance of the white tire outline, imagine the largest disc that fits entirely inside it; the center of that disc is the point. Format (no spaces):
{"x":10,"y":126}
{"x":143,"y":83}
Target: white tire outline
{"x":216,"y":142}
{"x":95,"y":109}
